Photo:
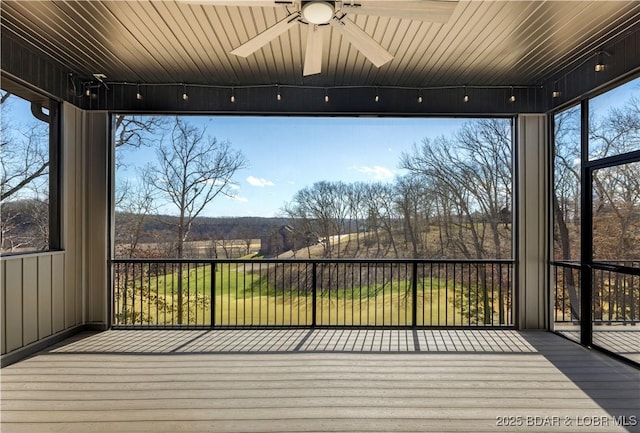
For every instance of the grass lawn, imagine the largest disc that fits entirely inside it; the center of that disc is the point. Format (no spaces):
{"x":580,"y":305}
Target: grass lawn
{"x":244,"y":297}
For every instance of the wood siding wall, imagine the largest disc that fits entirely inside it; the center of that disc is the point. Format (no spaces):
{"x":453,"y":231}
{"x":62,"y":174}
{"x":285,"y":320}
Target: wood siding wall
{"x":48,"y":293}
{"x":532,"y":229}
{"x":96,"y":212}
{"x":36,"y":301}
{"x":72,"y":177}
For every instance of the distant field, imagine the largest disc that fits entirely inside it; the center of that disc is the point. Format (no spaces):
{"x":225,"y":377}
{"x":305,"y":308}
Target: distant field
{"x":232,"y":248}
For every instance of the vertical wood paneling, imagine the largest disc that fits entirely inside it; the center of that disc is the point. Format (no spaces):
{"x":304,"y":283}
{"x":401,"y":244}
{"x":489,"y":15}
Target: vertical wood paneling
{"x":57,"y":293}
{"x":72,"y":223}
{"x":3,"y":308}
{"x":32,"y":302}
{"x":80,"y":228}
{"x":44,"y":296}
{"x":96,"y":196}
{"x":29,"y":300}
{"x":69,"y":302}
{"x":532,"y":221}
{"x":13,"y":306}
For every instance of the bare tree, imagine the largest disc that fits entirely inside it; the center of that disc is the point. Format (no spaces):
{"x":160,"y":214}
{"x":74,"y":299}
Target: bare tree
{"x":192,"y":169}
{"x":617,"y":189}
{"x":133,"y":132}
{"x":380,"y":201}
{"x":134,"y":199}
{"x":566,"y":199}
{"x":357,"y":211}
{"x":411,"y":202}
{"x":136,"y":204}
{"x":305,"y":228}
{"x":473,"y":173}
{"x":319,"y":204}
{"x":24,"y":151}
{"x":24,"y":170}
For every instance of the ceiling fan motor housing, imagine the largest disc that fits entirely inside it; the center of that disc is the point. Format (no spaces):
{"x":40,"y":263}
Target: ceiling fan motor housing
{"x":317,"y":12}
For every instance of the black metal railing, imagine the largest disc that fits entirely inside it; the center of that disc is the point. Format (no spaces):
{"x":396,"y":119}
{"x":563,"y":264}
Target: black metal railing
{"x":343,"y":292}
{"x":566,"y":283}
{"x":615,"y":291}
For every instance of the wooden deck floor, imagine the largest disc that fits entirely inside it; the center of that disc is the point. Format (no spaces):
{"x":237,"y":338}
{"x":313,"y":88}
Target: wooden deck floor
{"x":319,"y":381}
{"x":620,"y":339}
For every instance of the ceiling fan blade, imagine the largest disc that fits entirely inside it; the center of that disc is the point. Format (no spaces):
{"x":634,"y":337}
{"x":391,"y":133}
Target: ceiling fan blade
{"x":362,"y":41}
{"x":423,"y":10}
{"x":256,"y":3}
{"x":313,"y":54}
{"x":262,"y":39}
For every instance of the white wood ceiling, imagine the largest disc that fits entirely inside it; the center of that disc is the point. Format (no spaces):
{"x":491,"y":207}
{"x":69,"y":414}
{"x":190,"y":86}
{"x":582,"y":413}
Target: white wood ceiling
{"x":484,"y":42}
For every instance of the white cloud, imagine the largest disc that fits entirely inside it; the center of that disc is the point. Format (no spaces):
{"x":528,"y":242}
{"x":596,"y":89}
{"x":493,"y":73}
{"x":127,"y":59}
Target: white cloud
{"x":238,"y":198}
{"x":377,"y":172}
{"x":259,"y":182}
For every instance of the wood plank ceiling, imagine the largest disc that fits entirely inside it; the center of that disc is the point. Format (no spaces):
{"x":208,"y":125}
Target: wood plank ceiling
{"x":484,"y":42}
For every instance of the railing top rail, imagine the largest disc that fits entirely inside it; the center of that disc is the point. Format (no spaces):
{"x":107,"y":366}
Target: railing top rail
{"x":611,"y":266}
{"x":310,"y":261}
{"x":615,"y":268}
{"x":567,"y":264}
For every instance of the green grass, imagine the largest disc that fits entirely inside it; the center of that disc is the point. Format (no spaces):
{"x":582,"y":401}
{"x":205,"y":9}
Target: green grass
{"x":243,"y":298}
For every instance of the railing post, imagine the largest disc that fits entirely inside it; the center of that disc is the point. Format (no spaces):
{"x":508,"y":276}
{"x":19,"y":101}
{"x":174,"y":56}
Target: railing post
{"x":314,"y":284}
{"x":213,"y":294}
{"x":414,"y":294}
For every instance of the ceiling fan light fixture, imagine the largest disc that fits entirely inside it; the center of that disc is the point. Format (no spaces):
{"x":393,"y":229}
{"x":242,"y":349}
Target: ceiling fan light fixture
{"x":317,"y":12}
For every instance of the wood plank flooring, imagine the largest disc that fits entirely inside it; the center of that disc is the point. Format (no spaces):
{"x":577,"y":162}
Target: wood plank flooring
{"x":621,"y":339}
{"x":319,"y":381}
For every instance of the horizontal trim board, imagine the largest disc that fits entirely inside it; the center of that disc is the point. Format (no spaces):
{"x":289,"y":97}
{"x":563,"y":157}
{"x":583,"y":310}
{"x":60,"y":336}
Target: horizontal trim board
{"x":26,"y":351}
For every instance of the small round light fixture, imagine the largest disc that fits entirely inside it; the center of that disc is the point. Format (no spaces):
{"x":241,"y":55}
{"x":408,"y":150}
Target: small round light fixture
{"x":317,"y":12}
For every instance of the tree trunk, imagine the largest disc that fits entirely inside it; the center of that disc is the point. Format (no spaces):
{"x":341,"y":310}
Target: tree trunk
{"x":565,"y":247}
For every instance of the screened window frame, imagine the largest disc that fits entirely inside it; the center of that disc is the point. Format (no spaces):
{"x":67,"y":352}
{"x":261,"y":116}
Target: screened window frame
{"x":40,"y":100}
{"x":586,"y":263}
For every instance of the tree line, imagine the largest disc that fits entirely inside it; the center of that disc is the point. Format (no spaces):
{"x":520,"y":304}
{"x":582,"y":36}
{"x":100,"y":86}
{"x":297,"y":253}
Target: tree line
{"x":455,"y":202}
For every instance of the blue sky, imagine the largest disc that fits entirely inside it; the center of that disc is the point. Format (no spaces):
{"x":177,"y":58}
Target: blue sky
{"x":285,"y":154}
{"x":614,"y":98}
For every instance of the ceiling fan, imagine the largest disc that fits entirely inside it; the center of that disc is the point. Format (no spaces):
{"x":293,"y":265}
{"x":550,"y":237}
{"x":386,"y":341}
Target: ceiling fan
{"x":319,"y":15}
